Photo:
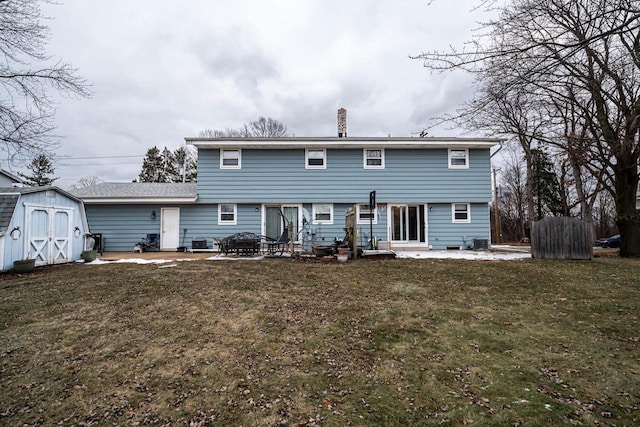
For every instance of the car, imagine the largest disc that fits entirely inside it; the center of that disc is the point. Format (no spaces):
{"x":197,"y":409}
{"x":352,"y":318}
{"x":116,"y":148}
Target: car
{"x":609,"y":242}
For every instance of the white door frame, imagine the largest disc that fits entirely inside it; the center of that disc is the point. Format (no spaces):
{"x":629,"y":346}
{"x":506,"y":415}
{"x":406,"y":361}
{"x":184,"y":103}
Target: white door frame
{"x":50,"y":248}
{"x":263,"y":228}
{"x":407,"y":242}
{"x":169,"y":230}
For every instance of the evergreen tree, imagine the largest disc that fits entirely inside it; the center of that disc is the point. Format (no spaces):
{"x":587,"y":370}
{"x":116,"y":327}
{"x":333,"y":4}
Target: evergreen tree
{"x":40,"y":168}
{"x":546,"y":189}
{"x":152,"y":167}
{"x":167,"y":166}
{"x":185,"y":165}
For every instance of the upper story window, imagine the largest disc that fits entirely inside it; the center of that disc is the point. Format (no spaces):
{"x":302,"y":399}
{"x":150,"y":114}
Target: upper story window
{"x":315,"y":158}
{"x":366,"y":214}
{"x":230,"y":159}
{"x":373,"y":158}
{"x":227,"y":214}
{"x":322,"y":213}
{"x":458,"y":158}
{"x":460,"y":212}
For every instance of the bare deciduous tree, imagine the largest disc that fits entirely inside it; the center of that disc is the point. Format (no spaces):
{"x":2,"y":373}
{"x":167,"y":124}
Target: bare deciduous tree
{"x":261,"y":128}
{"x":543,"y":47}
{"x":87,"y":181}
{"x":27,"y":78}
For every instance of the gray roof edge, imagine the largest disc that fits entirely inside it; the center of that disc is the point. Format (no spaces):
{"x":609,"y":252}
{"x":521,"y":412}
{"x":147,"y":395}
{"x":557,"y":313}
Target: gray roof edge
{"x":9,"y":175}
{"x":381,"y":139}
{"x":138,"y":191}
{"x":29,"y":190}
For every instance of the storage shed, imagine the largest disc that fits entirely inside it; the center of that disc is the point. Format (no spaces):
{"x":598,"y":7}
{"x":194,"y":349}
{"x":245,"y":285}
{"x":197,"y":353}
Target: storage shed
{"x":43,"y":223}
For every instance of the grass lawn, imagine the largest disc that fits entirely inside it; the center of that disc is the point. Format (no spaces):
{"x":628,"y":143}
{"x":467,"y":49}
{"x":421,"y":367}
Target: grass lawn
{"x":281,"y":342}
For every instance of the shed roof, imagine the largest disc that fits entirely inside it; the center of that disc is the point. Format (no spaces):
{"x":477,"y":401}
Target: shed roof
{"x":9,"y":198}
{"x":7,"y":206}
{"x":137,"y":192}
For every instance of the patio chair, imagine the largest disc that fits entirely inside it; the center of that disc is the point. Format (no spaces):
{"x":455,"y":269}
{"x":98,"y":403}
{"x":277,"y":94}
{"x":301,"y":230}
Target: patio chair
{"x":277,"y":245}
{"x":151,"y":243}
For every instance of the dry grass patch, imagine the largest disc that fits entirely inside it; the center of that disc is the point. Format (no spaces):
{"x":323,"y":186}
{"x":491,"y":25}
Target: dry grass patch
{"x":399,"y":342}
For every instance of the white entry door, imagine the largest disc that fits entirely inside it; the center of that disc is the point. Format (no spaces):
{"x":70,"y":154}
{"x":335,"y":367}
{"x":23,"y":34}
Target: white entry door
{"x":49,"y":234}
{"x":170,"y":229}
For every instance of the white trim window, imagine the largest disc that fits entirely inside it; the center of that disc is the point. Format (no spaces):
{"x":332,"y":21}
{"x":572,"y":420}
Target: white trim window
{"x":230,"y":159}
{"x":315,"y":158}
{"x":227,"y":214}
{"x":365,"y":214}
{"x":460,"y":212}
{"x":373,"y":158}
{"x":322,"y":213}
{"x":458,"y":158}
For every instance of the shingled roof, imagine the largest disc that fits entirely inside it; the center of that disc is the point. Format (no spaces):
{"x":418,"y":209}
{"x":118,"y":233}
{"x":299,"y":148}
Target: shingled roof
{"x":7,"y":206}
{"x":136,"y":192}
{"x":9,"y":197}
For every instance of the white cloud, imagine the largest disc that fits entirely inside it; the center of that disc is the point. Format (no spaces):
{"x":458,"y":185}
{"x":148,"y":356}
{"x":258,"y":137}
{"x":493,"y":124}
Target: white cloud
{"x":165,"y":70}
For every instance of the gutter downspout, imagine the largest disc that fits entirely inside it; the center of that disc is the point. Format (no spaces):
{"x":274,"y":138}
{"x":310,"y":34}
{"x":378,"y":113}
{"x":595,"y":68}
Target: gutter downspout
{"x":498,"y":150}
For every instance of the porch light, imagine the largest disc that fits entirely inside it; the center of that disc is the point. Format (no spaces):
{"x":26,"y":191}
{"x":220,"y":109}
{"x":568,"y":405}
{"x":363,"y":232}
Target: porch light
{"x":15,"y":233}
{"x":153,"y":215}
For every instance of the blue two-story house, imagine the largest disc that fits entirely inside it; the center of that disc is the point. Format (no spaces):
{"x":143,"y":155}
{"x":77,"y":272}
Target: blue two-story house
{"x":431,"y":193}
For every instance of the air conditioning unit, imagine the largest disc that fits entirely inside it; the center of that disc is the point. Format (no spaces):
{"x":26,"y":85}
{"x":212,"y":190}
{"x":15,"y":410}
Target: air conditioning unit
{"x":199,"y":244}
{"x":480,"y":244}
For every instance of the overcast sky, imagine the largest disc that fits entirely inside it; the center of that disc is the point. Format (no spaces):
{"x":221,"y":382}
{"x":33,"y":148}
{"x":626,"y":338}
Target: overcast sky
{"x":164,"y":70}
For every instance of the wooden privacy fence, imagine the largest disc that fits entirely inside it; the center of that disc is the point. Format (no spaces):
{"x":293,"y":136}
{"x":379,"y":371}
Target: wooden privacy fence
{"x":561,"y":238}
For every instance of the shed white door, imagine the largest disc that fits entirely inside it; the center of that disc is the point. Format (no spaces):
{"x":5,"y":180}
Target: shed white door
{"x":170,"y":227}
{"x":49,"y":234}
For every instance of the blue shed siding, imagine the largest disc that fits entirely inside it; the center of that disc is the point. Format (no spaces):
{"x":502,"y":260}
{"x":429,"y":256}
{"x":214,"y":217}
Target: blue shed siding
{"x":444,"y":233}
{"x":410,"y":175}
{"x":19,"y":248}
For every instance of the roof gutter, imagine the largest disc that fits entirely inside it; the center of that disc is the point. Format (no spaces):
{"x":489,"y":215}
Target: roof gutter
{"x":130,"y":200}
{"x":500,"y":141}
{"x":341,"y":143}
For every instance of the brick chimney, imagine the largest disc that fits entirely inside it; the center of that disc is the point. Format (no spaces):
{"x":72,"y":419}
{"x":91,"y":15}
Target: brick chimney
{"x":342,"y":123}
